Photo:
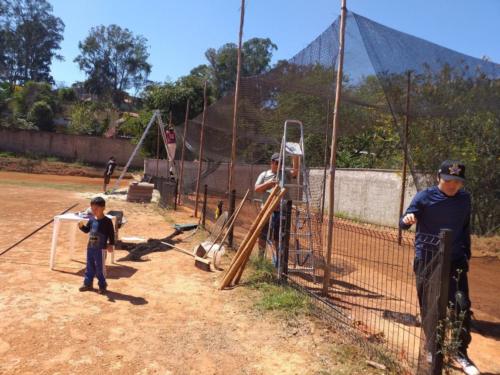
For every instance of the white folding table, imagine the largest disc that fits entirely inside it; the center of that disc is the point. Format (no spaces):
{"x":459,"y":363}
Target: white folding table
{"x":73,"y":219}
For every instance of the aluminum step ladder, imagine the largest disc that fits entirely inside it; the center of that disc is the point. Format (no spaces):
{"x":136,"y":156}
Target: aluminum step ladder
{"x":300,"y":254}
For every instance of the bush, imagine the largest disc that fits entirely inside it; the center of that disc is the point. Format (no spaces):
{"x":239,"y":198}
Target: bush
{"x":84,"y":120}
{"x":41,"y":116}
{"x":66,"y":94}
{"x":24,"y":98}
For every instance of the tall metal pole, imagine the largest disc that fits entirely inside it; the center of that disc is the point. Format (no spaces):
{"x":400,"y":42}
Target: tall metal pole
{"x":158,"y":135}
{"x":181,"y":174}
{"x":236,"y":99}
{"x":333,"y":152}
{"x":200,"y":154}
{"x":405,"y":155}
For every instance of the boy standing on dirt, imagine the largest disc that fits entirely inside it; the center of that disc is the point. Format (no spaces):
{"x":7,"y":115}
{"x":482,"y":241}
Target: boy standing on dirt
{"x":445,"y":206}
{"x":110,"y":168}
{"x":101,"y":232}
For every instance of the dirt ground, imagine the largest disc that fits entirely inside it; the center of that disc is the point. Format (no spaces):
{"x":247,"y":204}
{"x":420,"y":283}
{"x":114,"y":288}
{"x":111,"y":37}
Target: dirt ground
{"x":161,"y":316}
{"x":384,"y":276}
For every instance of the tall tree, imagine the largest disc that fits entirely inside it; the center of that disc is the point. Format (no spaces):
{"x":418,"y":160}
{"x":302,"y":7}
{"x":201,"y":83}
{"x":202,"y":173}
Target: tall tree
{"x":30,"y":36}
{"x":256,"y":58}
{"x":115,"y":60}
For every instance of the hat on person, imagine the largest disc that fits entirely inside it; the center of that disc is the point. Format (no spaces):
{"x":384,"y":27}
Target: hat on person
{"x":275,"y":157}
{"x":452,"y":170}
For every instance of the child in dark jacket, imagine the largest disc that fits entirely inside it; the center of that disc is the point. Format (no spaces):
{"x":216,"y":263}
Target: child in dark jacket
{"x":101,"y":238}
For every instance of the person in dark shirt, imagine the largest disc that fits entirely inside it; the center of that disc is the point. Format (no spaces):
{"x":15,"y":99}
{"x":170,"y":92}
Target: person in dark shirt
{"x":101,"y":238}
{"x":110,"y":168}
{"x":445,"y":206}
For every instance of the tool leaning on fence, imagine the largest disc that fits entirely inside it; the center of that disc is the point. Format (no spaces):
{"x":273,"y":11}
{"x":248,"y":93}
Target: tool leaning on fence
{"x":240,"y":260}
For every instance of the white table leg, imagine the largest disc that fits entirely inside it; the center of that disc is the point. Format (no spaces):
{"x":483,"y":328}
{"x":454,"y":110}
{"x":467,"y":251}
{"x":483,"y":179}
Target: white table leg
{"x":72,"y":237}
{"x":53,"y":248}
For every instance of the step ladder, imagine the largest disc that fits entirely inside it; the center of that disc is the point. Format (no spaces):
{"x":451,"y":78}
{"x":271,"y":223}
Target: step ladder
{"x":300,"y":254}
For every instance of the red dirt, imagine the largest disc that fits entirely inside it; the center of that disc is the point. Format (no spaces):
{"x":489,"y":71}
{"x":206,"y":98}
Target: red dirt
{"x":161,"y":316}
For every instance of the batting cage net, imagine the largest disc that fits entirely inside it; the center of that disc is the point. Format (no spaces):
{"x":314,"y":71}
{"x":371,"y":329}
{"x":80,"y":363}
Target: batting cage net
{"x":399,"y":91}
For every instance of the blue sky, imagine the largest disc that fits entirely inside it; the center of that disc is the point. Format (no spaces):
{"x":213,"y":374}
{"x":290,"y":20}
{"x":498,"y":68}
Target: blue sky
{"x":179,"y":32}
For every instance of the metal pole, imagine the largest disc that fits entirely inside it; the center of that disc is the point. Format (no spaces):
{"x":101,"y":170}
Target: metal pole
{"x":200,"y":154}
{"x":445,"y":243}
{"x":181,"y":174}
{"x":333,"y":152}
{"x":176,"y":193}
{"x":325,"y":160}
{"x":287,"y":221}
{"x":137,"y":147}
{"x":405,"y":156}
{"x":157,"y":148}
{"x":236,"y":99}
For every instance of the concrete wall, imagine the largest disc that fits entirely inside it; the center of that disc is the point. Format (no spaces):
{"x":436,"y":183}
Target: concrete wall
{"x":94,"y":150}
{"x":371,"y":196}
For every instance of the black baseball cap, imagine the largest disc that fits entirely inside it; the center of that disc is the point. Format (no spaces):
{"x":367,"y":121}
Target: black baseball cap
{"x":275,"y":157}
{"x":452,"y":170}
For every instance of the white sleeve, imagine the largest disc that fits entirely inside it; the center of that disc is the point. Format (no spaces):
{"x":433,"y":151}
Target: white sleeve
{"x":260,"y":179}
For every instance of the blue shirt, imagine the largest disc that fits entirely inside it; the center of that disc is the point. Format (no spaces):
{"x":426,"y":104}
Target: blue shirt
{"x":100,"y":232}
{"x":434,"y":211}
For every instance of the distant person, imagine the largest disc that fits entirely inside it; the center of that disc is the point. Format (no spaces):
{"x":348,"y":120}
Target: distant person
{"x":171,"y":146}
{"x":266,"y":181}
{"x":101,"y":238}
{"x":444,"y":206}
{"x":108,"y":172}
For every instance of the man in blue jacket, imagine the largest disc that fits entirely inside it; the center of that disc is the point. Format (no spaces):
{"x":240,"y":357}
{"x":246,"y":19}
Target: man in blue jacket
{"x":444,"y":206}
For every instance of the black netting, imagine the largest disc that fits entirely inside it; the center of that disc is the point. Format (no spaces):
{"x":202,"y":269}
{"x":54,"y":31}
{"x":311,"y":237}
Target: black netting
{"x":453,"y":113}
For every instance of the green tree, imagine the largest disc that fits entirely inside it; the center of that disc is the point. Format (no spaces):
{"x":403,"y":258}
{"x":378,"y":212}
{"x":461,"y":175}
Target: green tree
{"x":30,"y":36}
{"x":41,"y":116}
{"x":256,"y":55}
{"x":85,"y":121}
{"x":114,"y":60}
{"x":25,"y":97}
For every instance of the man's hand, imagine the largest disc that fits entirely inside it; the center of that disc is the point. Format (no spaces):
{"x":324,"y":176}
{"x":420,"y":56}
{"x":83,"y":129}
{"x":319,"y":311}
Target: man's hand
{"x":110,"y":248}
{"x":409,"y":219}
{"x":81,"y":224}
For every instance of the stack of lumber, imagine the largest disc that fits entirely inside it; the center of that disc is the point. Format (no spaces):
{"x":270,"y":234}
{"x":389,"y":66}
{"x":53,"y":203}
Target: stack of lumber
{"x":235,"y":270}
{"x":141,"y":192}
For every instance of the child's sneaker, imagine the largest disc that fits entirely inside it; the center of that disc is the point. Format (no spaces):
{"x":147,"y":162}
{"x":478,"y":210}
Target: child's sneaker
{"x":467,"y":365}
{"x":85,"y":288}
{"x":102,"y":291}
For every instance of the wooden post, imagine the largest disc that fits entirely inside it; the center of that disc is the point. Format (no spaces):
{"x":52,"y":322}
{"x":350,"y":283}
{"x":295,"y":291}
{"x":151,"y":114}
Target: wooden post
{"x":445,"y":243}
{"x":333,"y":152}
{"x":405,"y":156}
{"x":181,"y":177}
{"x":236,"y":99}
{"x":323,"y":190}
{"x":158,"y":135}
{"x":200,"y":153}
{"x":204,"y":207}
{"x":232,"y":204}
{"x":176,"y":193}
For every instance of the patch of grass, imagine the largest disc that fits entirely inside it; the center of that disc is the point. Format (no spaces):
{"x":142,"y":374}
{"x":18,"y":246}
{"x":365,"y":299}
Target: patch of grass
{"x":283,"y":299}
{"x":7,"y":154}
{"x":48,"y":185}
{"x":52,"y":159}
{"x":275,"y":297}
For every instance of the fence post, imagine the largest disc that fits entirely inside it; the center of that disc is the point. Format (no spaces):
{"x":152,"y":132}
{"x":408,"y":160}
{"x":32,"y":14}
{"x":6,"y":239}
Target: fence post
{"x":287,"y":222}
{"x":204,"y":208}
{"x":445,"y":241}
{"x":232,"y":204}
{"x":176,"y":193}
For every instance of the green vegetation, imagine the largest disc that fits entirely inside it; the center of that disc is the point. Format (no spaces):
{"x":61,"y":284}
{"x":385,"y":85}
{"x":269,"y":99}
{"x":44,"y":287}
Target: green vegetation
{"x":273,"y":296}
